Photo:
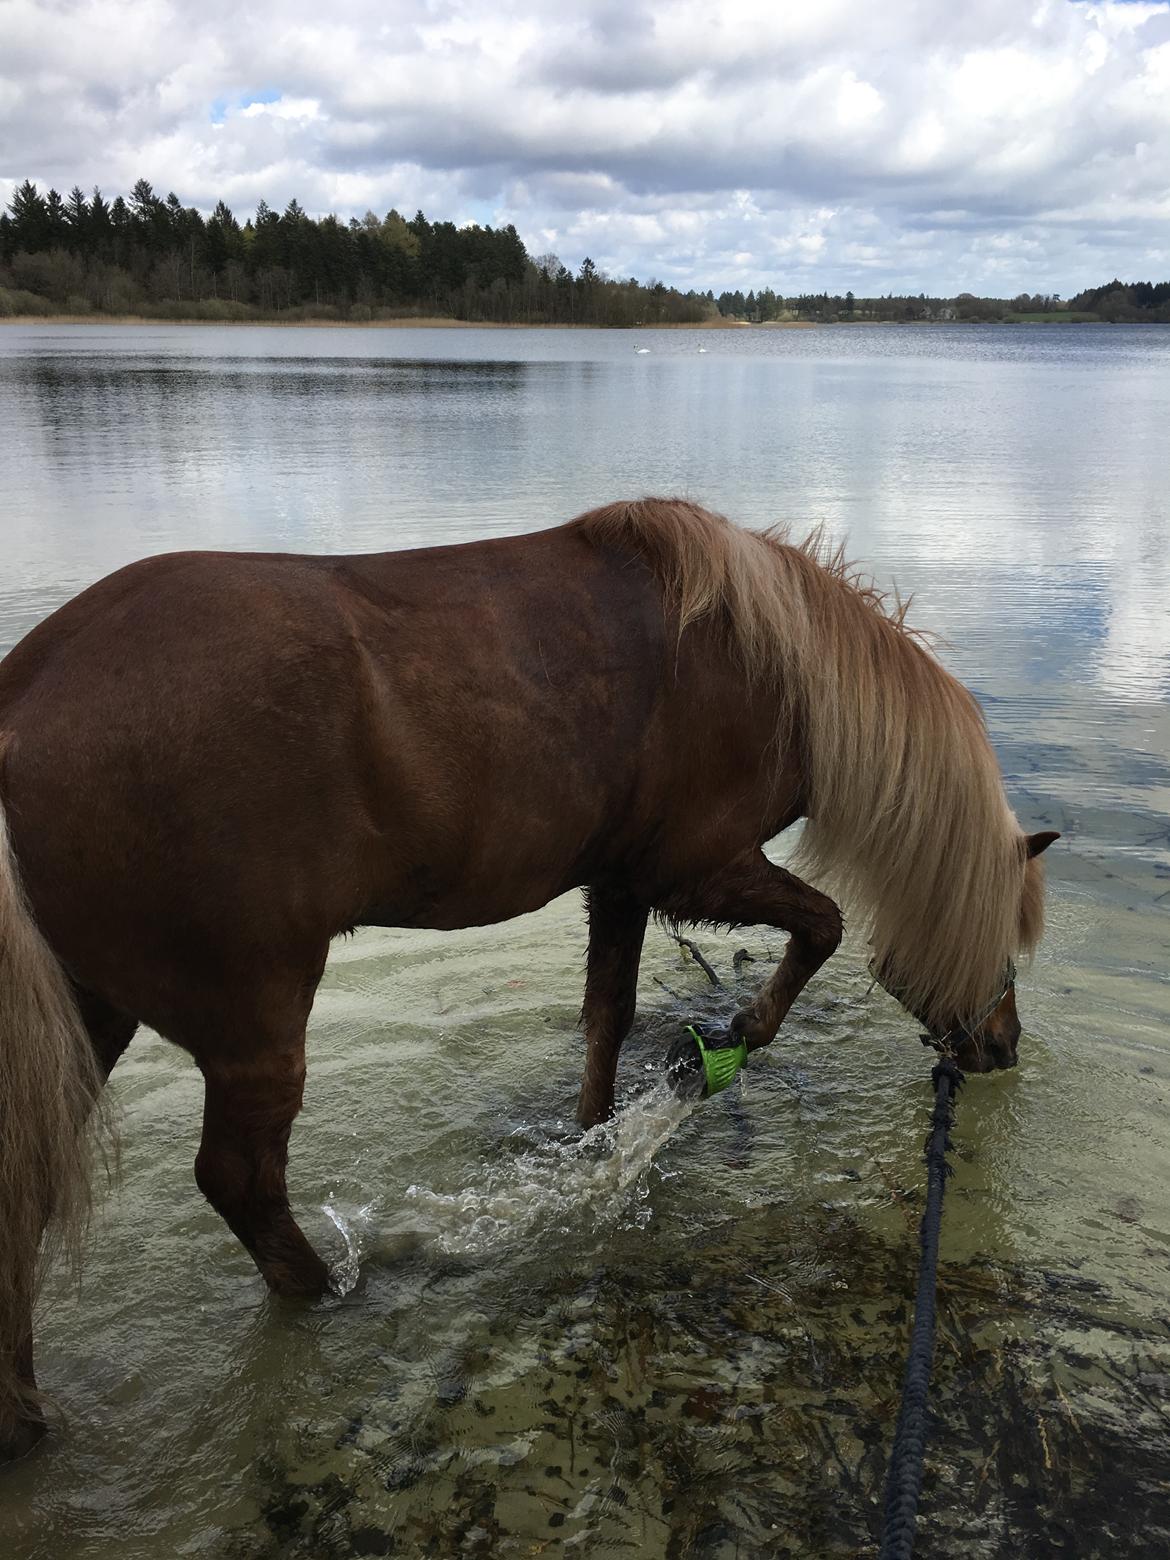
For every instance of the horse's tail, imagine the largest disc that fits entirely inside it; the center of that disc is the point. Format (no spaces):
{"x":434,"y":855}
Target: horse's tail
{"x":50,"y":1087}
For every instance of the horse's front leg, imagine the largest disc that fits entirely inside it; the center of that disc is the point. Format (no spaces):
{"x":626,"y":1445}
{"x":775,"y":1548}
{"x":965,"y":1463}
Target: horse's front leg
{"x":617,"y":925}
{"x":248,"y":1112}
{"x":752,"y":891}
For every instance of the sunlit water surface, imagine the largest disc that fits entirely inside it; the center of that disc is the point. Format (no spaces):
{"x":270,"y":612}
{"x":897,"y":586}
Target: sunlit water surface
{"x":682,"y":1336}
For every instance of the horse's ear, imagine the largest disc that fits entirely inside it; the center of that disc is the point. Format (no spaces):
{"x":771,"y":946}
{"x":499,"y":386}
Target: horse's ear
{"x":1038,"y":843}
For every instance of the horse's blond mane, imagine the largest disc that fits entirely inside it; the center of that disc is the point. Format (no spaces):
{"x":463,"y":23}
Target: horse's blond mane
{"x":907,"y":817}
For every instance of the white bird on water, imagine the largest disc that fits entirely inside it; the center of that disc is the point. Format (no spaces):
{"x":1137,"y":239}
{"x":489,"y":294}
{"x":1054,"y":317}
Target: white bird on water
{"x":641,"y":351}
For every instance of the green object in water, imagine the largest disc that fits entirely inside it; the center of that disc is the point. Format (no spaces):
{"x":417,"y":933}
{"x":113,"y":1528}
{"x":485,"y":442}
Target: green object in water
{"x":720,"y":1063}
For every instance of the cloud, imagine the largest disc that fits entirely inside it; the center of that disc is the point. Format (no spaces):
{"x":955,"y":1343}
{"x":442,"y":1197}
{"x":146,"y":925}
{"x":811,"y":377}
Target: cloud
{"x":993,"y":146}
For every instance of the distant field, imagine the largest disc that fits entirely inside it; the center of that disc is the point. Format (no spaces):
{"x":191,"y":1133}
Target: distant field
{"x":1056,"y":317}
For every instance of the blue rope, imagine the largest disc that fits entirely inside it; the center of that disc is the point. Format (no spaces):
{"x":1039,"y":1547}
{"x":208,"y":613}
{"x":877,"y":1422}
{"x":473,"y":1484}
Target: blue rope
{"x":904,"y":1474}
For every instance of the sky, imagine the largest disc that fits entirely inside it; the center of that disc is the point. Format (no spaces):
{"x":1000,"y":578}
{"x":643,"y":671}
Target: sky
{"x":994,"y":147}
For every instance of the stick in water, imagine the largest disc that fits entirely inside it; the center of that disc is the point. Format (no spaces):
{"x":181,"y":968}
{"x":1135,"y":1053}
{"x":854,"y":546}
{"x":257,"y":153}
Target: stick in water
{"x":692,"y":949}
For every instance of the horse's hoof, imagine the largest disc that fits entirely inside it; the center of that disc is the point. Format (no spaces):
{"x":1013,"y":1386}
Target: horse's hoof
{"x":684,"y":1068}
{"x":700,"y":1064}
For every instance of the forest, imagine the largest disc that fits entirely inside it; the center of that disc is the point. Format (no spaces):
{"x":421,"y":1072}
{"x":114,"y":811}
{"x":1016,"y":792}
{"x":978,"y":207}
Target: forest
{"x":150,"y":255}
{"x":155,"y":256}
{"x":1135,"y":302}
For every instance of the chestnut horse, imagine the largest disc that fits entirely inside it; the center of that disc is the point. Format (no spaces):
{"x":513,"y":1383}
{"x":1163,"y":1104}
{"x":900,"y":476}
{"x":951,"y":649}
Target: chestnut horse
{"x":212,"y":764}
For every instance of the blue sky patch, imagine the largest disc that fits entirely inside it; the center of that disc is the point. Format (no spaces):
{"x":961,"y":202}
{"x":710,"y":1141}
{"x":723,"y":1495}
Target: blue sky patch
{"x":222,"y":106}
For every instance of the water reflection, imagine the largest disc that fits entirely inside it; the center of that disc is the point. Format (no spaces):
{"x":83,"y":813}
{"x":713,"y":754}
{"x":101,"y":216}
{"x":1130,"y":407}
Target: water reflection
{"x":1133,"y":658}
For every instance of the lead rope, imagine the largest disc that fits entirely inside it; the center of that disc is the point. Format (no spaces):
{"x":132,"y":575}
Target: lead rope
{"x":904,"y":1474}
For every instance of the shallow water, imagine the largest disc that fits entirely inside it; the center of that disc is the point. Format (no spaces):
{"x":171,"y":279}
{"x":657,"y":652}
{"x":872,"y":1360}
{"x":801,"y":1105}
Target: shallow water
{"x":683,"y":1336}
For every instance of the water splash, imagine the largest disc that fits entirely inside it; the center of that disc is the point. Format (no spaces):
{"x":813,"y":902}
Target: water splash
{"x":588,"y":1181}
{"x":352,"y":1227}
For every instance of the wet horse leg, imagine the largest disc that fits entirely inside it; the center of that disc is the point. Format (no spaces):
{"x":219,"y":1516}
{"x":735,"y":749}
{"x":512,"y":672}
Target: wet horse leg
{"x":248,"y":1112}
{"x":753,"y":891}
{"x":23,"y":1420}
{"x":110,"y":1032}
{"x":617,"y":925}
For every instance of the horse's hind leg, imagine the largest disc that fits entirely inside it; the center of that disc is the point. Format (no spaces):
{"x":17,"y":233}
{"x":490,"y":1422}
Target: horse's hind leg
{"x":752,"y":891}
{"x":109,"y":1032}
{"x":617,"y":925}
{"x":248,"y":1112}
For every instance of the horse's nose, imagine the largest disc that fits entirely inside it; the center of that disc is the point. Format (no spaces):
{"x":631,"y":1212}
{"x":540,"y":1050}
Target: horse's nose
{"x":994,"y":1044}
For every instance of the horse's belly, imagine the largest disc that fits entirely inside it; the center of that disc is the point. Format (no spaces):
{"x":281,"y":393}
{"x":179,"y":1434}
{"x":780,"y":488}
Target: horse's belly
{"x":467,"y":905}
{"x":496,"y":871}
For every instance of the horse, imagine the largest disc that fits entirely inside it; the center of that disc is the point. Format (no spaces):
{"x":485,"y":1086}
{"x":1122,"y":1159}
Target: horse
{"x":212,"y":764}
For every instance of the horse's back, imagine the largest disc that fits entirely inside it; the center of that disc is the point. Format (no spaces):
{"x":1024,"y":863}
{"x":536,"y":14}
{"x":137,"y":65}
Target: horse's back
{"x":206,"y":752}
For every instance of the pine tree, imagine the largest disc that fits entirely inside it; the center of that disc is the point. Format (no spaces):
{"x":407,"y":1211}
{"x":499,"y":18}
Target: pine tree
{"x":77,"y":216}
{"x":143,"y":201}
{"x":30,"y":224}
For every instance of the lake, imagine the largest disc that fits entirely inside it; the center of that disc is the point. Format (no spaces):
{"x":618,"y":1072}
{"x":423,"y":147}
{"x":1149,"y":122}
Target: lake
{"x":684,"y":1338}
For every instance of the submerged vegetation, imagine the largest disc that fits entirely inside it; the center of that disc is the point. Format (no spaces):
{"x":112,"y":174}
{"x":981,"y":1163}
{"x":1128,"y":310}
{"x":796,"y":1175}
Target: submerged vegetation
{"x":151,"y":256}
{"x":695,"y":1408}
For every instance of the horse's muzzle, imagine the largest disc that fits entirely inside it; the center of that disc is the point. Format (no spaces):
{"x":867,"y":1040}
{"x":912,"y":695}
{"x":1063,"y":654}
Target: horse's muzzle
{"x":976,"y":1055}
{"x":993,"y":1046}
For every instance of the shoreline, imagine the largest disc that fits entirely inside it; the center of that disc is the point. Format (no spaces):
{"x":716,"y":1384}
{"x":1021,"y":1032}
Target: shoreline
{"x":427,"y":322}
{"x":440,"y":322}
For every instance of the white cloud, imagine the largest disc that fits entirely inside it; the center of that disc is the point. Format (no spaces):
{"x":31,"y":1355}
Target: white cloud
{"x":717,"y":142}
{"x":302,"y":109}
